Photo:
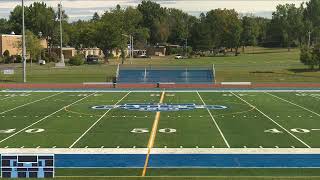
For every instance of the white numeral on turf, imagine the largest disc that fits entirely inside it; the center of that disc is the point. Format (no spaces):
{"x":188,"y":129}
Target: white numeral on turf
{"x":167,"y":130}
{"x":7,"y":131}
{"x":146,"y":130}
{"x":273,"y":131}
{"x":140,"y":130}
{"x":31,"y":131}
{"x":299,"y":130}
{"x":295,"y":130}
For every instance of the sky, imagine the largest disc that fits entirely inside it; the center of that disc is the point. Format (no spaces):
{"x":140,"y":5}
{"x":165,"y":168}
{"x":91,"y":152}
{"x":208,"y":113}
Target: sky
{"x":84,"y":9}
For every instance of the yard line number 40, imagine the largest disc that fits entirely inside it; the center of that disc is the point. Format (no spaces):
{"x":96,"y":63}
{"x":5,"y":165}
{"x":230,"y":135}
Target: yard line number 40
{"x":30,"y":131}
{"x":295,"y":130}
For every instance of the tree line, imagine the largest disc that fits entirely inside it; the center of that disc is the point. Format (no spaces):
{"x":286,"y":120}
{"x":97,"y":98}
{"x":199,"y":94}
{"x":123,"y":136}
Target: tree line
{"x":150,"y":24}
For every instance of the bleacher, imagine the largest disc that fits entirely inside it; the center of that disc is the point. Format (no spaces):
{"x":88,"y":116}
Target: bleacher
{"x":168,"y":74}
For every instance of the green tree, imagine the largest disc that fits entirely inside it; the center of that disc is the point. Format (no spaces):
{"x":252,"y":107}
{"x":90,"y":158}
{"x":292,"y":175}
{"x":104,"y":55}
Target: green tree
{"x":4,"y":26}
{"x":316,"y":55}
{"x":179,"y":24}
{"x":155,"y":18}
{"x":250,"y":31}
{"x":201,"y":35}
{"x":312,"y":18}
{"x":306,"y":57}
{"x":289,"y":21}
{"x":33,"y":46}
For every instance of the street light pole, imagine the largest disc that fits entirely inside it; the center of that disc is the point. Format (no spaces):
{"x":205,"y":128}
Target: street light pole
{"x":24,"y":59}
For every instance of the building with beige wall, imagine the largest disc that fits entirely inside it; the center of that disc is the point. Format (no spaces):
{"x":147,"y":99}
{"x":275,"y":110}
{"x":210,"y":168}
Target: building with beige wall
{"x":12,"y":43}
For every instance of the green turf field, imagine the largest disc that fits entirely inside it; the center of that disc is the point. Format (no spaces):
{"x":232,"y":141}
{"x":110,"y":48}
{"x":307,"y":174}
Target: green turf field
{"x":251,"y":120}
{"x":66,"y":119}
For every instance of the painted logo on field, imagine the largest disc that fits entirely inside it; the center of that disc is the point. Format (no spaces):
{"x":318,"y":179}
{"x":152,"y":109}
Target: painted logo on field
{"x":159,"y":107}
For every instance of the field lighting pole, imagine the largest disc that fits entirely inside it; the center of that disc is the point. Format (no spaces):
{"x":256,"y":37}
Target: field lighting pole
{"x":61,"y":51}
{"x":131,"y":46}
{"x":24,"y":59}
{"x":309,"y":40}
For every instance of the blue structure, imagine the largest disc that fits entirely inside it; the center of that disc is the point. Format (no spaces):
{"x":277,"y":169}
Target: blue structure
{"x":189,"y":161}
{"x":27,"y":166}
{"x":165,"y":75}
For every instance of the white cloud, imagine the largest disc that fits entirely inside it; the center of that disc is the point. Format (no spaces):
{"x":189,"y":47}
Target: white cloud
{"x":192,"y":6}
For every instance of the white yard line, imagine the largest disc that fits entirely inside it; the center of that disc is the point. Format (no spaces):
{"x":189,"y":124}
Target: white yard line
{"x":30,"y":103}
{"x":215,"y":122}
{"x":293,"y":104}
{"x":96,"y":122}
{"x":44,"y":118}
{"x":7,"y":98}
{"x":272,"y":120}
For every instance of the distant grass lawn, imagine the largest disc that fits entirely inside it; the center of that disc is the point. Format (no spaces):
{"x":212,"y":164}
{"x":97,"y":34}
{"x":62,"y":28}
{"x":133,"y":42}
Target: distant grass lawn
{"x":255,"y":65}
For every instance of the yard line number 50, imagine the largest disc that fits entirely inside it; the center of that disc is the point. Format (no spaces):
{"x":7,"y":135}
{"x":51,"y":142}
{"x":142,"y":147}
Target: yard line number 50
{"x":146,"y":130}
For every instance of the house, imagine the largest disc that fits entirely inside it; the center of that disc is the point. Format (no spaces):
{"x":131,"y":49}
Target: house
{"x":158,"y":50}
{"x":68,"y":52}
{"x":91,"y":51}
{"x":12,"y":43}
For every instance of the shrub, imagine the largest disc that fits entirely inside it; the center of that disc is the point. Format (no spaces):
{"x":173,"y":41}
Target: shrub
{"x":18,"y":59}
{"x":1,"y":59}
{"x":53,"y":57}
{"x":76,"y":60}
{"x":6,"y":54}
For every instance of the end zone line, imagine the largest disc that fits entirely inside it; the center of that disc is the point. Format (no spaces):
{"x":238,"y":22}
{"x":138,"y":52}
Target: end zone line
{"x":44,"y":118}
{"x":293,"y":103}
{"x":272,"y":120}
{"x":30,"y":103}
{"x":152,"y":137}
{"x":96,"y":122}
{"x":215,"y":122}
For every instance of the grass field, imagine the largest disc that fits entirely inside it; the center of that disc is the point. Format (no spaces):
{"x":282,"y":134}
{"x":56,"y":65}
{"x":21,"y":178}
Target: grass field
{"x":251,"y":120}
{"x":256,"y":65}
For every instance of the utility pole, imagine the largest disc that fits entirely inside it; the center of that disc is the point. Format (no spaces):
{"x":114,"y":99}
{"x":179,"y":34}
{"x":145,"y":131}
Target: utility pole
{"x":24,"y":59}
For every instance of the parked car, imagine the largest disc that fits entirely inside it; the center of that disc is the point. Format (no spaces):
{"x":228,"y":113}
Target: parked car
{"x":92,"y":59}
{"x":42,"y":62}
{"x":143,"y":56}
{"x":178,"y":56}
